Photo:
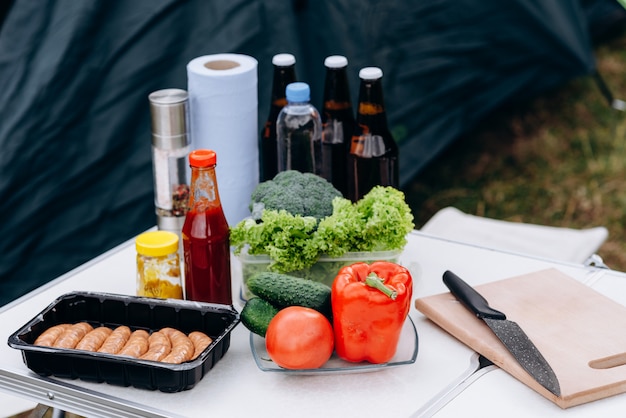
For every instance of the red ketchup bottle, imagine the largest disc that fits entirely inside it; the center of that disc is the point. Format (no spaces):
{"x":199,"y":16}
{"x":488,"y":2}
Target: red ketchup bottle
{"x":206,"y":237}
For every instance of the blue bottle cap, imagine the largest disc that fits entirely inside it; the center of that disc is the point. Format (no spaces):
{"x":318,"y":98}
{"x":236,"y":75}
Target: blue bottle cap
{"x":298,"y":92}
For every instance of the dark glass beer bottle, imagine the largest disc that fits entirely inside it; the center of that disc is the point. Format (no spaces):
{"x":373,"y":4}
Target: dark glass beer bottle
{"x":373,"y":156}
{"x":284,"y":74}
{"x":337,"y":122}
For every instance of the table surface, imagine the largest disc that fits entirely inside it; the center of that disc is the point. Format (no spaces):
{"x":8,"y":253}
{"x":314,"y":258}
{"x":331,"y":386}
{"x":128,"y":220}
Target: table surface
{"x":441,"y":382}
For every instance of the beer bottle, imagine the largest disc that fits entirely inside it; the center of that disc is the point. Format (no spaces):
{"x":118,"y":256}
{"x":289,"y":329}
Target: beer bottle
{"x":284,"y":74}
{"x":337,"y":122}
{"x":373,"y":156}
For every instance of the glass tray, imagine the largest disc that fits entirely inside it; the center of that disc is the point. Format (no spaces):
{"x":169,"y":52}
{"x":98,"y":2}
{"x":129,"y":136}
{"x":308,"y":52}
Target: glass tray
{"x":405,"y":354}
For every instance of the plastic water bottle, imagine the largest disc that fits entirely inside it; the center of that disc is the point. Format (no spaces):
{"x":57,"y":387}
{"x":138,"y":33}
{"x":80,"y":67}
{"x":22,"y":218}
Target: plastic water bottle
{"x":299,"y":132}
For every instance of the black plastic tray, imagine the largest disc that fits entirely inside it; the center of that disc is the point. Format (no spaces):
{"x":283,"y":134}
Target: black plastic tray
{"x":113,"y":310}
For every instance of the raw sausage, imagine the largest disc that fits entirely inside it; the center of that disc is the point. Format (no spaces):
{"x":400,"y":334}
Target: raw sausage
{"x":182,"y":347}
{"x":200,"y":341}
{"x":116,"y":340}
{"x":49,"y":336}
{"x":72,"y":335}
{"x":168,"y":345}
{"x":136,"y":345}
{"x":159,"y":346}
{"x":94,"y":339}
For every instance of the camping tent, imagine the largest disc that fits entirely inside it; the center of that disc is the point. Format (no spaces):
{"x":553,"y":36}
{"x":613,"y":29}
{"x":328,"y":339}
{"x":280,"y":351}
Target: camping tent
{"x":75,"y":160}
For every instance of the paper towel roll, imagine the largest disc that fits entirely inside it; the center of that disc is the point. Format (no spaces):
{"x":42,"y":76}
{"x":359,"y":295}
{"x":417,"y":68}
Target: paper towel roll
{"x":223,"y":116}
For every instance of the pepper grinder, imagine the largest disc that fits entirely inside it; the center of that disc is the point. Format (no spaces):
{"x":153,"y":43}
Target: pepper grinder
{"x":170,"y":148}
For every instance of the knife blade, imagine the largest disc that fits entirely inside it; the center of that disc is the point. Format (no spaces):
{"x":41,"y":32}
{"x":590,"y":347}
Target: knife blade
{"x":509,"y":332}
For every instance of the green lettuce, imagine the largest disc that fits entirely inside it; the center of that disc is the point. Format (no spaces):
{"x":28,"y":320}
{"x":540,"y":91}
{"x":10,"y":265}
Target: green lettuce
{"x":379,"y":221}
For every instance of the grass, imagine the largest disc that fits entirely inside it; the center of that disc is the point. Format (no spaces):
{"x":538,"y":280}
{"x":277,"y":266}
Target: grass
{"x":558,"y":160}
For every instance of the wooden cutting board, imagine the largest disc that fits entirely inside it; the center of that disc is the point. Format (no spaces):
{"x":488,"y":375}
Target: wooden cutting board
{"x":580,"y":332}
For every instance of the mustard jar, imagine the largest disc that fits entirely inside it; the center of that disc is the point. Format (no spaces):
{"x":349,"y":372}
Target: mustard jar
{"x":158,"y":265}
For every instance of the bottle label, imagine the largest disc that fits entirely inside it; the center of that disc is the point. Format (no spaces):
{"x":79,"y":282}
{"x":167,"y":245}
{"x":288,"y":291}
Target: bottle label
{"x":333,"y":132}
{"x":267,"y":129}
{"x":370,"y":108}
{"x":280,"y":102}
{"x":205,"y":189}
{"x":334,"y":105}
{"x":368,"y":146}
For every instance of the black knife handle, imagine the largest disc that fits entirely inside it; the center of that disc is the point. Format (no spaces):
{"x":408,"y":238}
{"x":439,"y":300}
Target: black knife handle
{"x":469,"y":297}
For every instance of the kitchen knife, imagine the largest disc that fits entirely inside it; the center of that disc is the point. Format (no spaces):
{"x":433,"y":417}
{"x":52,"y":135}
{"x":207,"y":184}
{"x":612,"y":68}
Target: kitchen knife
{"x":509,"y":332}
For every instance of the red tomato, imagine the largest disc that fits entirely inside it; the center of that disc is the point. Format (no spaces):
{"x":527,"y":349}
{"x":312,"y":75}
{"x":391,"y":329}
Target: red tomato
{"x":299,"y":338}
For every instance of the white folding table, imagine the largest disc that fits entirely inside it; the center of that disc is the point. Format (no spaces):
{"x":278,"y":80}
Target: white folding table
{"x":441,"y":381}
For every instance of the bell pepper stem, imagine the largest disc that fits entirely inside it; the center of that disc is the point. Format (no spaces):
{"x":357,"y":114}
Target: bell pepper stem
{"x":376,"y":282}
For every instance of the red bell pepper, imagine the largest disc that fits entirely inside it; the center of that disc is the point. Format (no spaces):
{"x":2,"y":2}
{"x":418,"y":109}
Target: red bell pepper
{"x":370,"y":303}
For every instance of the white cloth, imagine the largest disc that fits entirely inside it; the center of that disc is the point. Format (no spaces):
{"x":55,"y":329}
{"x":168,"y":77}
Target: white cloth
{"x":556,"y":243}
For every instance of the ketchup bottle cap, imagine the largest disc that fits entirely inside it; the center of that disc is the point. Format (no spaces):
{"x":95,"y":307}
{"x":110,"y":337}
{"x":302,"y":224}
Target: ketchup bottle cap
{"x":202,"y":158}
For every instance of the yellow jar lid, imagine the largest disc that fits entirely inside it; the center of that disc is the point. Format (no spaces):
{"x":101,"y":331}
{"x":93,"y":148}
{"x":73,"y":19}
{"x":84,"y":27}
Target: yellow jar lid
{"x":156,"y":243}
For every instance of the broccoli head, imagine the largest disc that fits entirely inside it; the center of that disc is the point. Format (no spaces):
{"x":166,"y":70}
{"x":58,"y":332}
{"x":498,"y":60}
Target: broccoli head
{"x":305,"y":194}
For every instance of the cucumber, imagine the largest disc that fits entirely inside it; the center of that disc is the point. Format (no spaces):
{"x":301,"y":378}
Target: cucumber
{"x":283,"y":290}
{"x":257,"y":314}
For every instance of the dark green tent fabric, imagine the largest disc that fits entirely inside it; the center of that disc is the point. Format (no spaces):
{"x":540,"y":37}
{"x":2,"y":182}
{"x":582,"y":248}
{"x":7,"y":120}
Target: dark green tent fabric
{"x":75,"y":161}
